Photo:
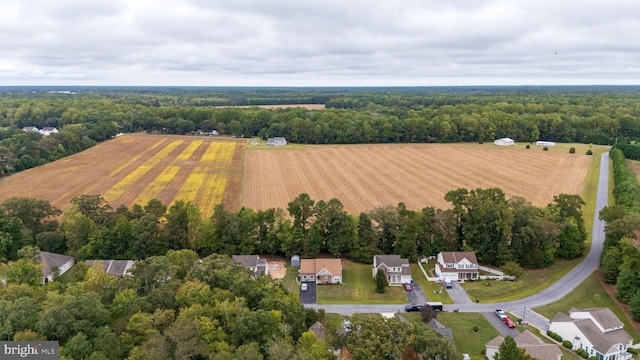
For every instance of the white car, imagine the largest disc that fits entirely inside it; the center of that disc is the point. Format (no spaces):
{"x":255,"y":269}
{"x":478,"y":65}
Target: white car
{"x":501,"y":314}
{"x":303,"y":287}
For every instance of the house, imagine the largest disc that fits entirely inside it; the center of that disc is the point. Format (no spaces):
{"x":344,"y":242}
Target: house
{"x":596,"y":330}
{"x":545,"y":143}
{"x":531,"y":344}
{"x":54,"y":264}
{"x":46,"y":131}
{"x":457,"y":265}
{"x":30,"y":129}
{"x":117,"y":268}
{"x":277,"y":141}
{"x":318,"y":329}
{"x":395,"y":268}
{"x":322,"y":271}
{"x":254,"y":263}
{"x":504,"y":142}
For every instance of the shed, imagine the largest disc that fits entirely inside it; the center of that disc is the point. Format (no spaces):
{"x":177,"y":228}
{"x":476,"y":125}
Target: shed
{"x":277,"y":141}
{"x":504,"y":142}
{"x":295,"y":261}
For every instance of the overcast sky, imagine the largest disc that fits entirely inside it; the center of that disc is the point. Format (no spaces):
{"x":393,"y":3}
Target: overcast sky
{"x":319,"y":43}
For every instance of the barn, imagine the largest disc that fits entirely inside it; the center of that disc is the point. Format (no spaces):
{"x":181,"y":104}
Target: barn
{"x":277,"y":141}
{"x":505,"y":142}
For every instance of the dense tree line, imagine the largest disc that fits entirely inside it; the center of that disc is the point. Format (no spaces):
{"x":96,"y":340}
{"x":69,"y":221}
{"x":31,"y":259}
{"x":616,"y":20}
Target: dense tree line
{"x":374,"y":115}
{"x":620,"y":261}
{"x":481,"y":220}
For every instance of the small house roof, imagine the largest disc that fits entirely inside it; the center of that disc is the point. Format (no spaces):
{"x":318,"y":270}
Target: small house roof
{"x":50,"y":260}
{"x":604,"y":316}
{"x":247,"y":260}
{"x":454,"y":257}
{"x":113,"y":267}
{"x":390,"y":260}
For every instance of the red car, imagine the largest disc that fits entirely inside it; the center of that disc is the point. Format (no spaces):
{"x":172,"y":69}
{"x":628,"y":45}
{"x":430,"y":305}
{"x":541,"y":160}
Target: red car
{"x":407,"y":286}
{"x":509,"y":322}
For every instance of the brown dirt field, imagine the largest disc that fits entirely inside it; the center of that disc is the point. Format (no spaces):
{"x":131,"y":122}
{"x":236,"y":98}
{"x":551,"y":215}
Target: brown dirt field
{"x":363,"y":177}
{"x":634,"y":165}
{"x":96,"y":171}
{"x":277,"y":270}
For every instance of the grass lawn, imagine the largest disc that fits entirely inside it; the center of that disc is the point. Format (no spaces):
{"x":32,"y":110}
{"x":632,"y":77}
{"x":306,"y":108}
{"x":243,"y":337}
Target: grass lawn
{"x":587,"y":295}
{"x":358,"y":287}
{"x":531,"y":282}
{"x":289,"y":280}
{"x":434,"y":291}
{"x":462,"y":324}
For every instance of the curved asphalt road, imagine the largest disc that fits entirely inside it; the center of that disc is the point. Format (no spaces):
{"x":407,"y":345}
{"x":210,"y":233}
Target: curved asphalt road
{"x":549,"y":295}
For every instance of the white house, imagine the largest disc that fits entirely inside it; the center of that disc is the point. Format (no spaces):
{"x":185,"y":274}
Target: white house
{"x":545,"y":143}
{"x":457,"y":265}
{"x":504,"y":142}
{"x":31,"y":129}
{"x":53,"y":264}
{"x":277,"y":141}
{"x":254,"y":263}
{"x":46,"y":131}
{"x":597,"y":331}
{"x":397,"y":269}
{"x":531,"y":344}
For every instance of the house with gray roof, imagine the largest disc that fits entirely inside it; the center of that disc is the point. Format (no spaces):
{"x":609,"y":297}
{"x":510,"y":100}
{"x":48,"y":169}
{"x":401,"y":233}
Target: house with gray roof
{"x":54,"y":265}
{"x":395,"y":268}
{"x":531,"y":344}
{"x":457,"y":265}
{"x":254,"y":263}
{"x":597,"y":331}
{"x":117,"y":268}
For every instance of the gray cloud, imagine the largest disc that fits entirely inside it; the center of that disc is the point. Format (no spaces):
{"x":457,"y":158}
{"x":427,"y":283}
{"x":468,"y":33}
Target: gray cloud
{"x":300,"y":43}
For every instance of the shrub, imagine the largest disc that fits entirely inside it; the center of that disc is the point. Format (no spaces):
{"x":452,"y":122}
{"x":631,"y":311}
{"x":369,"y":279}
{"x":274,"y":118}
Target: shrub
{"x":475,"y":329}
{"x":381,"y":281}
{"x":632,"y":351}
{"x":567,"y":344}
{"x":481,"y":142}
{"x":589,"y":152}
{"x":528,"y":146}
{"x":546,"y":148}
{"x":572,"y":150}
{"x":549,"y":332}
{"x":582,"y":353}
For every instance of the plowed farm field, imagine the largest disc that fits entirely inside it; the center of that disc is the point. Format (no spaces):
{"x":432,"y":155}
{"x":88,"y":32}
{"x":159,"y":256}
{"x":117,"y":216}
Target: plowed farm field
{"x":363,"y":177}
{"x":136,"y":168}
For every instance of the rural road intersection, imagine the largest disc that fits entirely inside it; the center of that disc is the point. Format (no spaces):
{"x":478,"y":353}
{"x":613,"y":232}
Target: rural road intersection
{"x":521,"y":307}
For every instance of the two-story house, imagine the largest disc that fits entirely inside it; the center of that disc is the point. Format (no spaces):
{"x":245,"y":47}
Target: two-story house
{"x":597,"y":331}
{"x":457,"y":265}
{"x":395,"y":268}
{"x":254,"y":263}
{"x":321,"y":271}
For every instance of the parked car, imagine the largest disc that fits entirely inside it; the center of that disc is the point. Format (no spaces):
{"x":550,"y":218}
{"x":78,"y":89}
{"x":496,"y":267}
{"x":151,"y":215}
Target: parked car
{"x":407,"y":286}
{"x":303,"y":287}
{"x":501,"y":314}
{"x":509,"y":323}
{"x":448,"y":284}
{"x":410,"y":308}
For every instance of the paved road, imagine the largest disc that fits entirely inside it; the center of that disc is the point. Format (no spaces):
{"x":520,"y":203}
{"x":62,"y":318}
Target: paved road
{"x":523,"y":306}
